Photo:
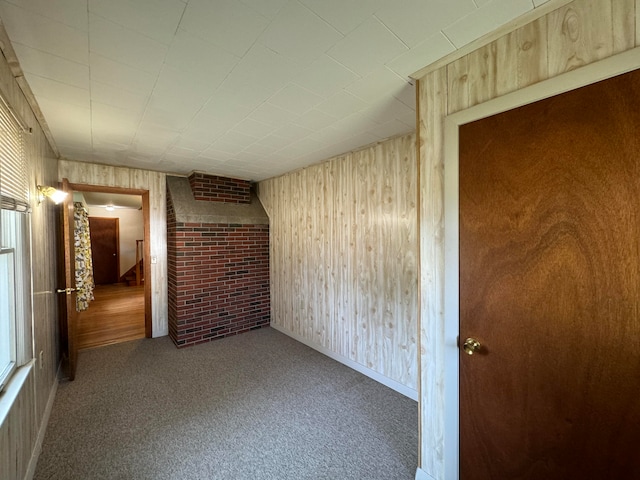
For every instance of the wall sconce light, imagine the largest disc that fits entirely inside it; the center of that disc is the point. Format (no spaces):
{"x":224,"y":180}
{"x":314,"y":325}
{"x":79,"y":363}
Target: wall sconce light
{"x":54,"y":194}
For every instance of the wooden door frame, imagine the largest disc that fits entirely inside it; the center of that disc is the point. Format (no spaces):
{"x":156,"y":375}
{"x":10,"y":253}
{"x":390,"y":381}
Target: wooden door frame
{"x":148,"y":320}
{"x":601,"y":70}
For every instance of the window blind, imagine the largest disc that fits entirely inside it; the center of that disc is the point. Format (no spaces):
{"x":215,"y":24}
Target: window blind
{"x":14,"y":189}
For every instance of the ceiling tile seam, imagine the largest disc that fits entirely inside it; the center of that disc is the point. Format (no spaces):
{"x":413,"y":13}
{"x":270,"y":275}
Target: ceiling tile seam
{"x":390,"y":30}
{"x":18,"y":4}
{"x":204,"y":105}
{"x":49,"y":53}
{"x":329,"y":24}
{"x":138,"y":32}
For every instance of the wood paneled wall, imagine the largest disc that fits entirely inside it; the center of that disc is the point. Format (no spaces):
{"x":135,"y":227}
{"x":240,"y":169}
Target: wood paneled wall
{"x":579,"y":33}
{"x":344,"y":257}
{"x":23,"y":428}
{"x":155,"y":183}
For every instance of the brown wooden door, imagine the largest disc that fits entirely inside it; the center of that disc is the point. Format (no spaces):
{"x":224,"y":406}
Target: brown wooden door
{"x":104,"y":250}
{"x":69,"y":298}
{"x":550,"y":286}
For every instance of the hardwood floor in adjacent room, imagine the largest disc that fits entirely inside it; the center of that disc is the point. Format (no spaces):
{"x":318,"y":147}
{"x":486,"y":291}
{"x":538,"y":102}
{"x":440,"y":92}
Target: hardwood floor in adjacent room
{"x":116,"y":315}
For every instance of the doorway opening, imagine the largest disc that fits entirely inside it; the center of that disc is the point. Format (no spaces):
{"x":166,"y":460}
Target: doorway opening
{"x":119,"y":231}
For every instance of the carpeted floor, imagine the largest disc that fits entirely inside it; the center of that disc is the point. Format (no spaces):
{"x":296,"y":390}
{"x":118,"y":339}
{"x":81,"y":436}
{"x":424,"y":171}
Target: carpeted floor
{"x":254,"y":406}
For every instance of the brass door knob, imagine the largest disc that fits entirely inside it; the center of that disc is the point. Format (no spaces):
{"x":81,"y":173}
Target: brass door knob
{"x":68,"y":291}
{"x":471,"y":346}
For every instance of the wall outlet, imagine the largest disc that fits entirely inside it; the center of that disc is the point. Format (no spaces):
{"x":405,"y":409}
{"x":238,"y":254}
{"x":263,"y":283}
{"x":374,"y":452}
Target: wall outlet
{"x":154,"y":259}
{"x":40,"y":359}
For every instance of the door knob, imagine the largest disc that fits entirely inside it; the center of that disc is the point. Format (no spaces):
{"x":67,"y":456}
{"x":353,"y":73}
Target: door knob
{"x":471,"y":346}
{"x":68,"y":291}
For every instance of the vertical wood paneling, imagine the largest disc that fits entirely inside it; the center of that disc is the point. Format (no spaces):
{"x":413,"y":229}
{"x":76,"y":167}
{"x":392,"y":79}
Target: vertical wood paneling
{"x":457,"y":80}
{"x":25,"y":420}
{"x":155,"y":182}
{"x":579,"y":33}
{"x":344,"y":246}
{"x":482,"y":76}
{"x":532,"y":59}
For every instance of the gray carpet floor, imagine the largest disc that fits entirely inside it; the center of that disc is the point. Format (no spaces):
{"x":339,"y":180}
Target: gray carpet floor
{"x":254,"y":406}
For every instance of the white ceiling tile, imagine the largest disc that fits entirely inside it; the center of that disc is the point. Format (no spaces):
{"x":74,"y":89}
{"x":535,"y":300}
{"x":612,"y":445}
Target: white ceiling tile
{"x":50,"y":66}
{"x":245,"y":159}
{"x":315,"y":120}
{"x":253,"y":128}
{"x":295,"y":99}
{"x":537,"y":3}
{"x":61,"y":92}
{"x":156,"y":19}
{"x":341,"y":105}
{"x":356,"y":123}
{"x":269,"y":9}
{"x":114,"y":124}
{"x":421,"y":55}
{"x":408,"y":119}
{"x":407,"y":96}
{"x":261,"y":149}
{"x":426,"y":19}
{"x":386,"y":109}
{"x":367,"y":47}
{"x":186,"y":54}
{"x":175,"y":91}
{"x":274,"y":142}
{"x":237,"y":138}
{"x":379,"y":83}
{"x":272,"y":115}
{"x":212,"y":156}
{"x":70,"y":12}
{"x":242,"y":87}
{"x":313,"y":35}
{"x":126,"y":46}
{"x":222,"y":147}
{"x":153,"y":140}
{"x":118,"y":97}
{"x":262,"y":69}
{"x":204,"y":129}
{"x":179,"y":155}
{"x":226,"y":23}
{"x":193,"y":144}
{"x":226,"y":108}
{"x":119,"y":75}
{"x":325,"y":76}
{"x":345,"y":16}
{"x":390,"y":129}
{"x":160,"y":113}
{"x":486,"y":19}
{"x":70,"y":124}
{"x":292,"y":132}
{"x":45,"y":34}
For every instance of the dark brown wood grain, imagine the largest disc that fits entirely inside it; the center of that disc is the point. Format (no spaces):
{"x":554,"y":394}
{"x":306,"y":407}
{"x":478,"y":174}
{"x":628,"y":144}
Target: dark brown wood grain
{"x":550,"y":285}
{"x":104,"y":250}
